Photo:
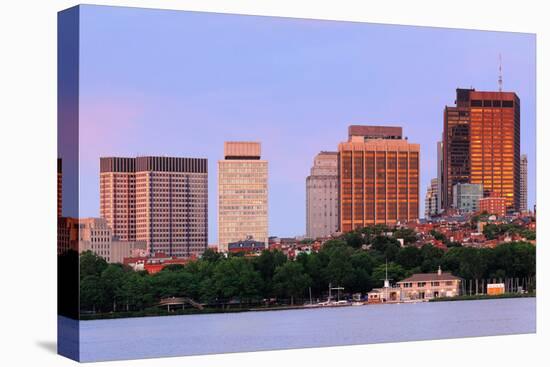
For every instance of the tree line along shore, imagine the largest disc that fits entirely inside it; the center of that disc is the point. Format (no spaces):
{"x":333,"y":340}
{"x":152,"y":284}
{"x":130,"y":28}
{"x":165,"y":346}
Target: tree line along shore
{"x":356,"y":261}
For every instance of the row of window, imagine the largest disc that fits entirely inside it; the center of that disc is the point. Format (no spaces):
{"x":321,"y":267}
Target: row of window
{"x":423,"y":284}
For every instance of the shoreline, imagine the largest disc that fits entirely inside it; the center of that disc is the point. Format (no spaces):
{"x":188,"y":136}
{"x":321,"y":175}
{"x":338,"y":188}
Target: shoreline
{"x":480,"y":297}
{"x":159,"y":313}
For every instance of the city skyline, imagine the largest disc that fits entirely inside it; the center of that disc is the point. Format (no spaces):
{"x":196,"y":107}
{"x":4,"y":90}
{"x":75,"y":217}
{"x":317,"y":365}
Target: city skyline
{"x":288,"y":90}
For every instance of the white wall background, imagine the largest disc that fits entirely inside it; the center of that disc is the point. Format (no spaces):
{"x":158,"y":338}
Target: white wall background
{"x":28,"y":179}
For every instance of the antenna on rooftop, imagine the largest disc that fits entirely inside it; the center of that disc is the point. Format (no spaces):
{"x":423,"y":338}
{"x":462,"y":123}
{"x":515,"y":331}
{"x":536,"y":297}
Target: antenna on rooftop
{"x":499,"y":72}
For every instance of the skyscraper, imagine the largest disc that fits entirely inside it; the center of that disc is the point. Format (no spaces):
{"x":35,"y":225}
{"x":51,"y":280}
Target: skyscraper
{"x":322,"y":196}
{"x":242,"y":195}
{"x":481,"y":144}
{"x":378,"y":177}
{"x":432,"y":199}
{"x":161,"y":200}
{"x":117,"y":194}
{"x":523,"y":184}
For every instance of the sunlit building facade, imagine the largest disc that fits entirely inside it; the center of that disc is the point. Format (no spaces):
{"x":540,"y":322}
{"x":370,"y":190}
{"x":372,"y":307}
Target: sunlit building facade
{"x":378,"y":178}
{"x":242,"y":195}
{"x":482,"y":144}
{"x":117,"y":195}
{"x":493,"y":204}
{"x":160,"y":200}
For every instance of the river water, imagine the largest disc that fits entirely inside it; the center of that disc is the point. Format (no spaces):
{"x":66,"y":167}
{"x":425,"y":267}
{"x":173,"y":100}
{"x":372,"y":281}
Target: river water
{"x":268,"y":330}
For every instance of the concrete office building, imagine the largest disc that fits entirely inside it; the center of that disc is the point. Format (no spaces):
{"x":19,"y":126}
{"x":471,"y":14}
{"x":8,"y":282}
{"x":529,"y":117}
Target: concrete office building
{"x":93,"y":234}
{"x":481,"y":144}
{"x":242,"y":195}
{"x":466,"y":197}
{"x":378,"y":178}
{"x":160,"y":200}
{"x":523,"y":184}
{"x":322,"y":196}
{"x":121,"y":249}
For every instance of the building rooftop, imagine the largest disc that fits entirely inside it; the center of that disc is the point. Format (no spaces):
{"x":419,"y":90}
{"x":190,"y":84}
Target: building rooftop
{"x":375,"y":132}
{"x":429,"y":277}
{"x":242,"y":150}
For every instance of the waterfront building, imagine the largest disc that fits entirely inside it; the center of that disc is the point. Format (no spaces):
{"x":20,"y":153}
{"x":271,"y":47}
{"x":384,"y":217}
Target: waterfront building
{"x":160,"y":200}
{"x":242,"y":194}
{"x":523,"y":184}
{"x":378,"y":178}
{"x":425,"y":286}
{"x":322,"y":196}
{"x":466,"y":197}
{"x":432,"y":199}
{"x":493,"y":204}
{"x":384,"y":295}
{"x":481,"y":144}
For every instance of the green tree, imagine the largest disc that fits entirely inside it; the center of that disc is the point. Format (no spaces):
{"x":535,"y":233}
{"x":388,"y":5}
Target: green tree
{"x":112,"y":280}
{"x":266,"y":264}
{"x":314,"y":265}
{"x":91,"y":293}
{"x":338,"y":271}
{"x":91,"y":264}
{"x":362,"y":264}
{"x":438,"y":236}
{"x":395,"y":273}
{"x":387,"y":246}
{"x":290,"y":280}
{"x":409,"y":257}
{"x":353,"y":239}
{"x":408,"y":235}
{"x":235,"y":278}
{"x":211,"y":256}
{"x":370,"y":232}
{"x":431,"y":258}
